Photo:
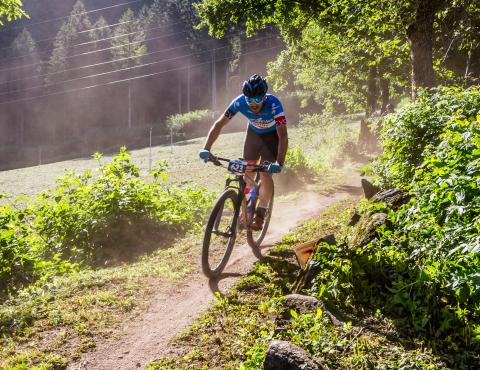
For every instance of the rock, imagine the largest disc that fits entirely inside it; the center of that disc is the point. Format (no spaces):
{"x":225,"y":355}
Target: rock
{"x":354,"y":219}
{"x":329,"y":239}
{"x":369,"y":189}
{"x":367,"y":228}
{"x":394,"y":198}
{"x":301,"y":303}
{"x":304,"y":304}
{"x":312,"y":270}
{"x":283,"y":355}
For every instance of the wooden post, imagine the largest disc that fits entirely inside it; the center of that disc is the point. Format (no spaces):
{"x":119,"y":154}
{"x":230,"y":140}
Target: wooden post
{"x":150,"y":152}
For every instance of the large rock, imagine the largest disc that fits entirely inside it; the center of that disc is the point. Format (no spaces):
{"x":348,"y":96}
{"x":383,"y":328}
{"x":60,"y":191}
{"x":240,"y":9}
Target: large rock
{"x":369,"y":189}
{"x":367,"y":228}
{"x":283,"y":355}
{"x":394,"y":198}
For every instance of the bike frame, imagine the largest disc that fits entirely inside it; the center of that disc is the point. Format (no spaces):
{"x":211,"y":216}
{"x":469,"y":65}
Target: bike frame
{"x":239,"y":178}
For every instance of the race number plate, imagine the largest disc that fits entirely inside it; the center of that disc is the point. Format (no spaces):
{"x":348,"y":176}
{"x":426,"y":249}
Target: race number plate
{"x":237,"y":166}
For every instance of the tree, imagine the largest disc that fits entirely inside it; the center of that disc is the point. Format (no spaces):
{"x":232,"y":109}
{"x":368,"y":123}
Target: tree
{"x":23,"y":51}
{"x":101,"y":31}
{"x":381,"y":28}
{"x":12,"y":9}
{"x":74,"y":32}
{"x":128,"y":41}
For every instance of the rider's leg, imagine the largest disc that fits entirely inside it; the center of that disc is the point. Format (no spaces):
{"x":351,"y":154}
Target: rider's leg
{"x":267,"y":189}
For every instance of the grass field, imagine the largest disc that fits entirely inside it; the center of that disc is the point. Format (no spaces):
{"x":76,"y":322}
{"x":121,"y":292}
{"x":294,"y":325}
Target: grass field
{"x":182,"y":158}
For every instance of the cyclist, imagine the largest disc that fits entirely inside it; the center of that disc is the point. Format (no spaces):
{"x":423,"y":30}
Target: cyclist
{"x":266,"y":137}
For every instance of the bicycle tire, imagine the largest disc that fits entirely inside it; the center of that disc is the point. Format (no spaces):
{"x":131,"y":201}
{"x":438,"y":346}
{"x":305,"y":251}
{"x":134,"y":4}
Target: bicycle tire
{"x":220,"y":248}
{"x":255,"y":239}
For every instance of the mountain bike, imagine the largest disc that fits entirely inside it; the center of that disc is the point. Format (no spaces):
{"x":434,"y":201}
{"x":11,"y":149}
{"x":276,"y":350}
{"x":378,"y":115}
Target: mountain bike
{"x":234,"y":210}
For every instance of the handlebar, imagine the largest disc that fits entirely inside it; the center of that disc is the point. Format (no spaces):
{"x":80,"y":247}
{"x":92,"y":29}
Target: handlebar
{"x":239,"y":165}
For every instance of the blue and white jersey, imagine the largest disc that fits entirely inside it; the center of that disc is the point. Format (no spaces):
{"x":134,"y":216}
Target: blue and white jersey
{"x":265,"y":120}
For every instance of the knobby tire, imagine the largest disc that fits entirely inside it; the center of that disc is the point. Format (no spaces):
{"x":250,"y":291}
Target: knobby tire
{"x":209,"y":267}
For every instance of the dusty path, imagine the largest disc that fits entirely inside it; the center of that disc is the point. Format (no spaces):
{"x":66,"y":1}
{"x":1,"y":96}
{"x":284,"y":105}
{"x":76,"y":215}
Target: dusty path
{"x":174,"y":308}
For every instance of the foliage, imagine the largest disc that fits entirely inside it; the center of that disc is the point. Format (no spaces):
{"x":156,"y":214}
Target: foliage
{"x":333,"y":45}
{"x":12,"y":9}
{"x":23,"y":43}
{"x":90,"y":220}
{"x":327,"y":137}
{"x":100,"y":30}
{"x":191,"y":123}
{"x":408,"y":133}
{"x":422,"y":267}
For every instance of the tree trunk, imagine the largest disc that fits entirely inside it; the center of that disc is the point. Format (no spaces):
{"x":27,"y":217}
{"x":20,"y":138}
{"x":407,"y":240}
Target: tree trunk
{"x":385,"y":93}
{"x":372,"y":93}
{"x":420,"y":35}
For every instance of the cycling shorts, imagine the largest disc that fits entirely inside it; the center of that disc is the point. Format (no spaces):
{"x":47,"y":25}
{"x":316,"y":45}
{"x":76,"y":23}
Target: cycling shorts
{"x":264,"y":146}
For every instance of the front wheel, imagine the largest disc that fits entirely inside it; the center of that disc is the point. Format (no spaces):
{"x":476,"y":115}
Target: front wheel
{"x":255,"y":237}
{"x":220,"y":234}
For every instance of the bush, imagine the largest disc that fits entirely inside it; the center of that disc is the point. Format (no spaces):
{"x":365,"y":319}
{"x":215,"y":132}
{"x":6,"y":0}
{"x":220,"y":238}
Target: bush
{"x":326,"y":137}
{"x":91,"y":220}
{"x":422,"y":267}
{"x":191,"y":124}
{"x":406,"y":134}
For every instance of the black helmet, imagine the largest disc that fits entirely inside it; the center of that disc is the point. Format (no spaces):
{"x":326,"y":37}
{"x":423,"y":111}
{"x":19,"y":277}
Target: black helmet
{"x":255,"y":86}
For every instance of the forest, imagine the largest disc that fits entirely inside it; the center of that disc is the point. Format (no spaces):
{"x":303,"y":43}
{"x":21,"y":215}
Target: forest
{"x":92,"y":77}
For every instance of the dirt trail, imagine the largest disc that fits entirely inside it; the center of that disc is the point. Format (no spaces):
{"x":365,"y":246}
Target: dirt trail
{"x":174,"y":308}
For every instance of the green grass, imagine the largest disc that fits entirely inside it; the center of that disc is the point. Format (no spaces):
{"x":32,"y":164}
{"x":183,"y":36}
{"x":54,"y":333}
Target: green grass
{"x":55,"y":322}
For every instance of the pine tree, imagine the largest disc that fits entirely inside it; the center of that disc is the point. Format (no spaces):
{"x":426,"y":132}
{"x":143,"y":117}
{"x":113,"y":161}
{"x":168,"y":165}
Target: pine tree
{"x":100,"y":30}
{"x":128,"y":41}
{"x":158,"y":13}
{"x":23,"y":44}
{"x":72,"y":33}
{"x":24,"y":50}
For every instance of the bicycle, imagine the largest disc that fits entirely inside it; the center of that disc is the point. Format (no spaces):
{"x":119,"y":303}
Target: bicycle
{"x":233,"y":210}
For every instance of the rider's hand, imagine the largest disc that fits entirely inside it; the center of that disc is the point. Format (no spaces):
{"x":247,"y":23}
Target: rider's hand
{"x":274,"y":168}
{"x":204,"y":154}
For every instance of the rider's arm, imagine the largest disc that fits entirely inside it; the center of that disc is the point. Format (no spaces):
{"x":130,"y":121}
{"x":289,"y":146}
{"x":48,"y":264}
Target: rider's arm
{"x":282,"y":143}
{"x":215,"y":131}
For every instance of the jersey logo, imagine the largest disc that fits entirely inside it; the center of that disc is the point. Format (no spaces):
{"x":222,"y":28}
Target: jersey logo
{"x":262,"y":124}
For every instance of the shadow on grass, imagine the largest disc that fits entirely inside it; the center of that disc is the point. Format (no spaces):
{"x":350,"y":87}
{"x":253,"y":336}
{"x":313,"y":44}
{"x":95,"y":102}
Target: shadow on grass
{"x":214,"y":282}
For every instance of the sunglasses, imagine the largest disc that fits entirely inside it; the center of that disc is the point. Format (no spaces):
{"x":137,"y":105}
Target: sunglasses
{"x":255,"y":100}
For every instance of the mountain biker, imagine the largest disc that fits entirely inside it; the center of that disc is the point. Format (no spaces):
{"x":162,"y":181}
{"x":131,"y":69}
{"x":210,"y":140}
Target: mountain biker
{"x":266,"y":137}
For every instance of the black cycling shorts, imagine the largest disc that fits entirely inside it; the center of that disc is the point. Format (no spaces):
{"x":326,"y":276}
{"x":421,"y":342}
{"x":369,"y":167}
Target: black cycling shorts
{"x":264,"y":146}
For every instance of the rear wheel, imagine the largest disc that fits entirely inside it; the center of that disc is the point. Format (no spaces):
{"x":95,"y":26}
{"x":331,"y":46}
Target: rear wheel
{"x":220,"y":234}
{"x":255,"y":237}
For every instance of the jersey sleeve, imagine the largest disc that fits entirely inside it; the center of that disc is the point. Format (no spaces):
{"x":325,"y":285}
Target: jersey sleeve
{"x":278,"y":113}
{"x":232,"y":109}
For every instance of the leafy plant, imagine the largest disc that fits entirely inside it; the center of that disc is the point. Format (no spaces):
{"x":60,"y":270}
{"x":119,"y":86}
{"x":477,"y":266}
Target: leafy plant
{"x":406,"y":134}
{"x":190,"y":123}
{"x":91,"y":220}
{"x":422,"y":267}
